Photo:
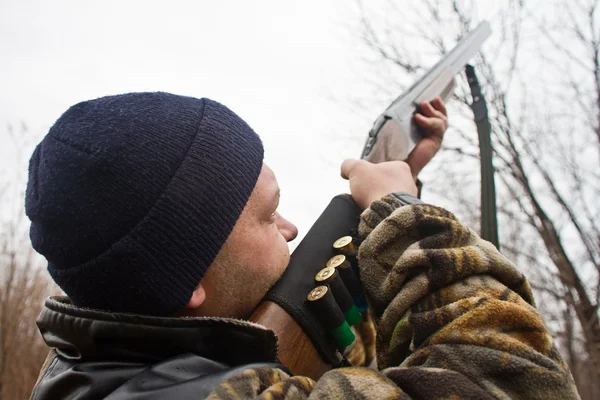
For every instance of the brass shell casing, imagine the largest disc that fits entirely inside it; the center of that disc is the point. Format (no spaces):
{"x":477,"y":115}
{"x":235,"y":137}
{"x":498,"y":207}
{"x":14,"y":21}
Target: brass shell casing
{"x":325,"y":274}
{"x":317,"y":293}
{"x":338,"y":261}
{"x":345,"y":245}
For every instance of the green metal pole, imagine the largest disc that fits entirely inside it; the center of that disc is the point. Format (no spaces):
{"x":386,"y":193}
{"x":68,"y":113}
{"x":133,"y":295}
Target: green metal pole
{"x":489,"y":221}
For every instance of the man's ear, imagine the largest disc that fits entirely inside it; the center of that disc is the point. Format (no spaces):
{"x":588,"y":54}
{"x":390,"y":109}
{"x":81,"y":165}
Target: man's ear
{"x":198,"y":297}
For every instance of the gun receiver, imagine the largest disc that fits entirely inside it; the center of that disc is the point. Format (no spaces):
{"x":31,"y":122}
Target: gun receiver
{"x":394,"y":134}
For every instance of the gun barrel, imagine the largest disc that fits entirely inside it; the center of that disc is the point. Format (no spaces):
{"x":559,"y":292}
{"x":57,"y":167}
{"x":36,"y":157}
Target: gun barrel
{"x":401,"y":134}
{"x":453,"y":62}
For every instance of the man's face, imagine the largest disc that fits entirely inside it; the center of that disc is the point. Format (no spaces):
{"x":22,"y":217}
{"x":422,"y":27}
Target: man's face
{"x":254,"y":256}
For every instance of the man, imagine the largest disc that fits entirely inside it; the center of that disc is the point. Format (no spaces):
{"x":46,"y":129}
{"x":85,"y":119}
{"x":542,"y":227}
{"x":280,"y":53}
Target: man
{"x":159,"y":220}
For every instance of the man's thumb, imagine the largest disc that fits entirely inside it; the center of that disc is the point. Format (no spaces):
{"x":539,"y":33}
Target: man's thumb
{"x":347,"y":167}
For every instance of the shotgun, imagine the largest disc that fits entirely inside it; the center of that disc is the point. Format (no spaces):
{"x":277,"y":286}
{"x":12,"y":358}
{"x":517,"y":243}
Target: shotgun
{"x":307,"y":345}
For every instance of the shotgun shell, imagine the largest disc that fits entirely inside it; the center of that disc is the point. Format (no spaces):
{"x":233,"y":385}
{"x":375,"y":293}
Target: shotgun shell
{"x":345,"y":246}
{"x":341,"y":264}
{"x":323,"y":305}
{"x":338,"y":261}
{"x":343,"y":298}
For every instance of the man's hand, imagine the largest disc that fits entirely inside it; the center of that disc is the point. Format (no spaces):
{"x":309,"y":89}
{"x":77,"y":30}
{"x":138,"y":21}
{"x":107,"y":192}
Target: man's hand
{"x":433,"y":121}
{"x":370,"y":182}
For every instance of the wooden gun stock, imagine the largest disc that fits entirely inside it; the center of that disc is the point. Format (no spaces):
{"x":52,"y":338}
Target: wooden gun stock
{"x":296,"y":351}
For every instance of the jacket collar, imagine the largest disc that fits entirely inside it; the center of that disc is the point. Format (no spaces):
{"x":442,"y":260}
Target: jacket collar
{"x":86,"y":334}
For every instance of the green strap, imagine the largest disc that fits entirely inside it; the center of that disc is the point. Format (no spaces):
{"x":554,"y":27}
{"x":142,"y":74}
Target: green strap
{"x":489,"y":222}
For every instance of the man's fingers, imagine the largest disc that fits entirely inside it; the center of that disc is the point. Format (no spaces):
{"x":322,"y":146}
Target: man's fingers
{"x":438,"y":104}
{"x":347,"y":167}
{"x":433,"y":127}
{"x":433,"y":120}
{"x":428,"y":110}
{"x":423,"y":121}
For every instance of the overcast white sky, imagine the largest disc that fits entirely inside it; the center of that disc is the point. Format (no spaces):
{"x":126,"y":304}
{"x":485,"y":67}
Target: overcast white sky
{"x":277,"y":64}
{"x":285,"y":67}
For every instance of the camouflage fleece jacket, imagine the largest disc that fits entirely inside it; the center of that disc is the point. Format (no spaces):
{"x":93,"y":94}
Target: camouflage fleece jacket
{"x":454,"y":319}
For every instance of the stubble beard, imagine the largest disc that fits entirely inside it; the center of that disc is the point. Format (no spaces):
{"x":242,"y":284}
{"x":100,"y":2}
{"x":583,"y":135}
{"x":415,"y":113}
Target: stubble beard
{"x":241,"y":291}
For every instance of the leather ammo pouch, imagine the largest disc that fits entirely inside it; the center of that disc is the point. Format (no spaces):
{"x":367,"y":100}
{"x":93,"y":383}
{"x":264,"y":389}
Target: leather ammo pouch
{"x":340,"y":218}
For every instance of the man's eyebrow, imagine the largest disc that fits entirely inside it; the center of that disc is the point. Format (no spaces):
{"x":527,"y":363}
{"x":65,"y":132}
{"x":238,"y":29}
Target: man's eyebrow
{"x":276,"y":196}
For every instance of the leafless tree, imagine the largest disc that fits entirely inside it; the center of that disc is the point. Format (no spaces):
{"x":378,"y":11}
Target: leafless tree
{"x":540,"y":74}
{"x":22,"y":350}
{"x":23,"y":287}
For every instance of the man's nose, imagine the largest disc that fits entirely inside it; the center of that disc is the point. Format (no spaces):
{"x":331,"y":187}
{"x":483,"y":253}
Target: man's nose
{"x":287,"y":229}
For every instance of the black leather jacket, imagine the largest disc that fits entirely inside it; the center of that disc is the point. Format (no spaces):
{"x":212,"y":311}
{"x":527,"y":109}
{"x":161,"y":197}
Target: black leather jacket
{"x":101,"y":355}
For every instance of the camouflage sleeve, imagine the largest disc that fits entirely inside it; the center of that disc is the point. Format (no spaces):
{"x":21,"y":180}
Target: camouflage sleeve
{"x":454,"y":318}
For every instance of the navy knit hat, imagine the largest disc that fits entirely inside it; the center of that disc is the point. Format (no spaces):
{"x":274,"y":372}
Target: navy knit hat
{"x":132,"y":196}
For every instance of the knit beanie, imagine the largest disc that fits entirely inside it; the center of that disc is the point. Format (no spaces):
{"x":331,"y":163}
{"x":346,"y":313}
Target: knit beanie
{"x":131,"y":197}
